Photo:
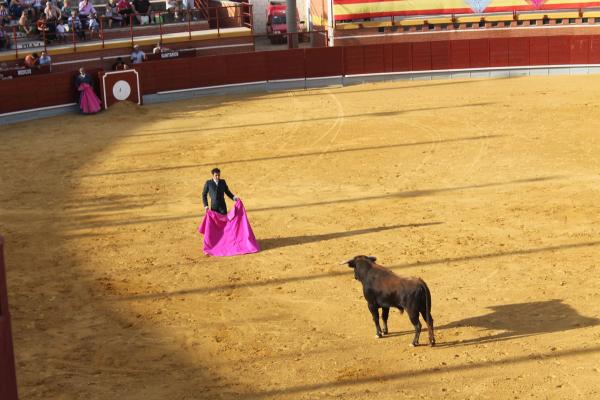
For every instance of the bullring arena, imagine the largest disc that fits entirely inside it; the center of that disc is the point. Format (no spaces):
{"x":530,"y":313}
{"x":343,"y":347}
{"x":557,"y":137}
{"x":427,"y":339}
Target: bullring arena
{"x":487,"y":189}
{"x":457,"y":145}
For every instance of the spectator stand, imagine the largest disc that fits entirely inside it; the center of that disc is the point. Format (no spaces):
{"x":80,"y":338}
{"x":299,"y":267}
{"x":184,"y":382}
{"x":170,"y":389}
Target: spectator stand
{"x":192,"y":26}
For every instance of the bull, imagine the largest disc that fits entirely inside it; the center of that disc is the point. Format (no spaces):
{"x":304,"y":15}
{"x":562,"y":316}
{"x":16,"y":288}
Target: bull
{"x":384,"y":289}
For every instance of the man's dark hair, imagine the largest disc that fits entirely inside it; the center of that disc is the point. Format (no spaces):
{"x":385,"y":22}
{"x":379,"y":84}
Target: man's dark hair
{"x":215,"y":171}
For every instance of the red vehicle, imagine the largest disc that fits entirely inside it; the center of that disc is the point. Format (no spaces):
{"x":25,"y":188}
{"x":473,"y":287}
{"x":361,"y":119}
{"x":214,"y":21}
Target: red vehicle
{"x":277,"y":22}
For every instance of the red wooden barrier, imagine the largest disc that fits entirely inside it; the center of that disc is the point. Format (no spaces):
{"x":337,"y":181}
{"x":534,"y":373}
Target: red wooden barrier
{"x":498,"y":52}
{"x":402,"y":57}
{"x":479,"y":53}
{"x":421,"y":56}
{"x":538,"y":50}
{"x":374,"y":59}
{"x":285,"y":64}
{"x":559,"y":50}
{"x":460,"y":54}
{"x":8,"y":380}
{"x":183,"y":73}
{"x":327,"y":61}
{"x":440,"y":55}
{"x":580,"y":48}
{"x":354,"y":60}
{"x":594,"y":54}
{"x":246,"y":67}
{"x":518,"y":51}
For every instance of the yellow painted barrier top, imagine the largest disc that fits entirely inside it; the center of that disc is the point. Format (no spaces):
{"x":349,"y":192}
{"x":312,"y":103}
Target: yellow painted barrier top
{"x":530,"y":17}
{"x":410,"y":22}
{"x":439,"y":20}
{"x":589,"y":14}
{"x":376,"y":24}
{"x":468,"y":19}
{"x":563,"y":15}
{"x":346,"y":26}
{"x":499,"y":18}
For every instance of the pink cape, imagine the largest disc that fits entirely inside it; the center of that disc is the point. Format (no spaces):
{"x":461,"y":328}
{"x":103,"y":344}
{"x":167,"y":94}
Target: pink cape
{"x":89,"y":103}
{"x":228,"y":235}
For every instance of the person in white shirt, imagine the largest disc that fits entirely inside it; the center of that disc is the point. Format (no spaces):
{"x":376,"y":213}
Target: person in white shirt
{"x":137,"y":56}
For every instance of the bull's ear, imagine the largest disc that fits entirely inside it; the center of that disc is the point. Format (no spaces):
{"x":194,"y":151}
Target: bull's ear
{"x":373,"y":259}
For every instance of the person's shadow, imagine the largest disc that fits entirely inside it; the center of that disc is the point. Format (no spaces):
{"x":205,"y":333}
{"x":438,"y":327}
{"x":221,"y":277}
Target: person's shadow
{"x":521,"y":320}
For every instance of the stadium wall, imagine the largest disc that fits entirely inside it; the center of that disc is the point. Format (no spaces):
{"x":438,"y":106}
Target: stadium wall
{"x":302,"y":68}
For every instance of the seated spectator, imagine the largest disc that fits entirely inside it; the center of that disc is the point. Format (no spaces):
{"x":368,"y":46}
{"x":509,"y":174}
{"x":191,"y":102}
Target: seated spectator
{"x":31,"y":60}
{"x":160,"y":49}
{"x":45,"y":59}
{"x":125,"y":9}
{"x":115,"y":16}
{"x":93,"y":25}
{"x":26,"y":6}
{"x":187,"y":9}
{"x":4,"y":14}
{"x":86,"y":9}
{"x":43,"y":29}
{"x":119,"y":65}
{"x":172,"y":6}
{"x":61,"y":32}
{"x":24,"y":24}
{"x":142,"y":9}
{"x":15,"y":10}
{"x":65,"y":10}
{"x":107,"y":16}
{"x":4,"y":38}
{"x":137,"y":56}
{"x":75,"y":25}
{"x":37,"y":6}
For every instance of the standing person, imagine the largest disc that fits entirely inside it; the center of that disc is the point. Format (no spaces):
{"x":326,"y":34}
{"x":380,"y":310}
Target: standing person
{"x":89,"y":103}
{"x":31,"y":60}
{"x":142,"y":9}
{"x":137,"y":56}
{"x":217,"y":189}
{"x":119,"y":65}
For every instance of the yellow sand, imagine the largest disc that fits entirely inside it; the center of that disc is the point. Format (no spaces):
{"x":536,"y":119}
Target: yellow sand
{"x":487,"y":189}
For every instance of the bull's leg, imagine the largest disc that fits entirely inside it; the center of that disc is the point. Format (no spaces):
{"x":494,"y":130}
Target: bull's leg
{"x":375,"y":313}
{"x":430,"y":330}
{"x":384,"y":316}
{"x":414,"y":319}
{"x":429,"y":319}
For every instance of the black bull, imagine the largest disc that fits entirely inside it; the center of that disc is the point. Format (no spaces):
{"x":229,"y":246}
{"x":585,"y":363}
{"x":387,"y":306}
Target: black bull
{"x":384,"y":289}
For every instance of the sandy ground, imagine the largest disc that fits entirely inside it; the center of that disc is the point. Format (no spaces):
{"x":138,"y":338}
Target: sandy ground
{"x":487,"y":189}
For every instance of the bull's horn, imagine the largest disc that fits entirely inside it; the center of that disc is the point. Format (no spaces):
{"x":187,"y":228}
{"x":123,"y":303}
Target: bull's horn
{"x":346,"y":262}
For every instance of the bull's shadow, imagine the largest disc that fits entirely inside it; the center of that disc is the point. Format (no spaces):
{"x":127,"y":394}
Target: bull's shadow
{"x":521,"y":320}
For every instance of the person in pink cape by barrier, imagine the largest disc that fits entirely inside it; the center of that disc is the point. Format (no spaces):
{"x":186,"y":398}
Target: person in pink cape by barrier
{"x":225,"y":234}
{"x":89,"y":103}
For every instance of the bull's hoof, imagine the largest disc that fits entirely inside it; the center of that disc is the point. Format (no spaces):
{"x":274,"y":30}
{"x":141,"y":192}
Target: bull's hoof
{"x":385,"y":331}
{"x":378,"y":336}
{"x":414,"y":344}
{"x":432,"y":343}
